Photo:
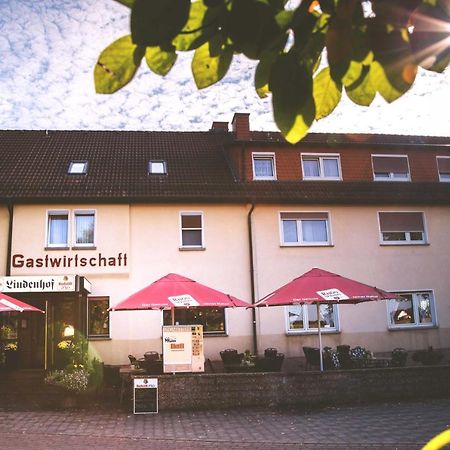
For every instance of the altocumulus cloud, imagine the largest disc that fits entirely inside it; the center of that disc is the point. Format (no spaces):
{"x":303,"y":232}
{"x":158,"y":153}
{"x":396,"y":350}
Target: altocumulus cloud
{"x":49,"y":50}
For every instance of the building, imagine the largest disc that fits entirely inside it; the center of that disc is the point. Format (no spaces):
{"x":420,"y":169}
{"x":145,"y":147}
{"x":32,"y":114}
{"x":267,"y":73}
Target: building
{"x":89,"y":217}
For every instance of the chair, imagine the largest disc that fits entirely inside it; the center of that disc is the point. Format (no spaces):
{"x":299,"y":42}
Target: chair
{"x":151,"y":356}
{"x":312,"y":356}
{"x":231,"y":358}
{"x":271,"y":362}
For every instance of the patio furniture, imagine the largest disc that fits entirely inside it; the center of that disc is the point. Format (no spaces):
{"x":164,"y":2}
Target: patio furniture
{"x":232,"y":360}
{"x":271,"y":362}
{"x":312,"y":356}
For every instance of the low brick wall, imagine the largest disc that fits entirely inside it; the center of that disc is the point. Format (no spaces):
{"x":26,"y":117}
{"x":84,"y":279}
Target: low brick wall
{"x":305,"y":389}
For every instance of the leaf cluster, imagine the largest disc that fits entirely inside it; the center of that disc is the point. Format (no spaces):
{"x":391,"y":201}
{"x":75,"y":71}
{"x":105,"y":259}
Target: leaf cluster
{"x":370,"y":47}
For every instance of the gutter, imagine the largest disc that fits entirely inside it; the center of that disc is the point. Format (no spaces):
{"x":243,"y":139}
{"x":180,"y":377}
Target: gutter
{"x":10,"y":235}
{"x":252,"y":277}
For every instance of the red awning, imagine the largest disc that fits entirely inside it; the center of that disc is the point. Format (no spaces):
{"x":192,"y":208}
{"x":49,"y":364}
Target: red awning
{"x":176,"y":291}
{"x":10,"y":304}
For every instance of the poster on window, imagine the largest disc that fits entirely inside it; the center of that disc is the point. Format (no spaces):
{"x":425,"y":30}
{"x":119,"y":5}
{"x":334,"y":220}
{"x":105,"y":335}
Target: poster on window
{"x":183,"y":348}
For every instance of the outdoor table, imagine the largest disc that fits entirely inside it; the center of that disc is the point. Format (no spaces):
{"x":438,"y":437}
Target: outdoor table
{"x":378,"y":362}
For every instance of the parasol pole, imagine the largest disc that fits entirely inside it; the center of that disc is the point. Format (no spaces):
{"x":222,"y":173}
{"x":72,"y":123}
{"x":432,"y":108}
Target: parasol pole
{"x":320,"y":337}
{"x":172,"y":314}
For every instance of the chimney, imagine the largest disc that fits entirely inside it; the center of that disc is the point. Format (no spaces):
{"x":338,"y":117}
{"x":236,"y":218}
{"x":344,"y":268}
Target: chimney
{"x":241,"y":127}
{"x":219,"y":126}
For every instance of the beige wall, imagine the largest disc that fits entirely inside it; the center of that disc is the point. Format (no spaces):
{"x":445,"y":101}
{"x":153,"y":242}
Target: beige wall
{"x":150,"y":237}
{"x":4,"y":226}
{"x":356,"y":253}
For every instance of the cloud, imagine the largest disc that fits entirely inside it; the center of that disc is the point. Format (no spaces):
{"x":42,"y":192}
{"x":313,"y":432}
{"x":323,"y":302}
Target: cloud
{"x":46,"y":82}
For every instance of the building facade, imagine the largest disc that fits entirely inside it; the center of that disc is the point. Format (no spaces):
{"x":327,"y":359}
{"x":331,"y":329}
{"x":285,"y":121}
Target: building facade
{"x":88,"y":218}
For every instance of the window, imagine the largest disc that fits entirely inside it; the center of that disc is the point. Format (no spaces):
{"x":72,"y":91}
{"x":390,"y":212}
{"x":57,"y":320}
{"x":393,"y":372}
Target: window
{"x":157,"y":167}
{"x":304,"y":228}
{"x":443,"y":163}
{"x":78,"y":167}
{"x":84,"y":228}
{"x":98,"y":317}
{"x":191,"y":230}
{"x":264,"y":166}
{"x":57,"y":231}
{"x":303,"y":318}
{"x":325,"y":167}
{"x":415,"y":309}
{"x":390,"y":168}
{"x":212,"y":319}
{"x":402,"y":228}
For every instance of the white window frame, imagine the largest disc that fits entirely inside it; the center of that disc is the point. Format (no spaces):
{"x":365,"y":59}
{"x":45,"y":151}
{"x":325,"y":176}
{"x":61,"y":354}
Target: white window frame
{"x":81,"y":212}
{"x":321,"y":157}
{"x":202,"y":246}
{"x":446,"y":178}
{"x":416,"y":325}
{"x":391,"y":175}
{"x":264,"y":155}
{"x":71,"y":170}
{"x":57,"y":212}
{"x":301,"y":242}
{"x":408,"y":240}
{"x":307,"y":330}
{"x":155,"y":162}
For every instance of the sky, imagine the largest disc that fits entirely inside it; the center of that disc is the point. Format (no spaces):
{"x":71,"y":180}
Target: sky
{"x":49,"y":49}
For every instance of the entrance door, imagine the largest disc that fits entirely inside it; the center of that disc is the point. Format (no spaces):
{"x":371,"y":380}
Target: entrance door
{"x":31,"y":334}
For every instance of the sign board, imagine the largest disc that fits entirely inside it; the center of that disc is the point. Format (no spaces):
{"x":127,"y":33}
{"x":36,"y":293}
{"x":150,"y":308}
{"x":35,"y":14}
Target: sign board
{"x":145,"y":395}
{"x":332,"y":294}
{"x":183,"y":301}
{"x":57,"y":283}
{"x":183,"y":348}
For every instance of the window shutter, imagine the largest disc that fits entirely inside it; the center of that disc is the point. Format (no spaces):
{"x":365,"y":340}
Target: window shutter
{"x":401,"y":221}
{"x":304,"y":215}
{"x":390,"y":164}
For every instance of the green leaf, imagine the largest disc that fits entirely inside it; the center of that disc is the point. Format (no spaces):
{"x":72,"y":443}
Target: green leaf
{"x":362,"y":92}
{"x":160,"y":61}
{"x":157,"y":22}
{"x":208,"y":66}
{"x":201,"y":26}
{"x":327,"y":94}
{"x":292,"y":99}
{"x":262,"y":74}
{"x":128,"y":3}
{"x":117,"y":65}
{"x":353,"y":73}
{"x":381,"y":83}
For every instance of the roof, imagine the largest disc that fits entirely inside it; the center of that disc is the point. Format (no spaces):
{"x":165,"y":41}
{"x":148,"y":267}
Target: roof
{"x":34,"y":164}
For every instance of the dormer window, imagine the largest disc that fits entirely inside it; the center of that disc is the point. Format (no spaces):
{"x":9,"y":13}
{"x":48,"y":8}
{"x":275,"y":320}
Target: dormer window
{"x":390,"y":168}
{"x":157,"y":167}
{"x":321,"y":167}
{"x":77,"y":168}
{"x":264,"y":166}
{"x":443,"y":163}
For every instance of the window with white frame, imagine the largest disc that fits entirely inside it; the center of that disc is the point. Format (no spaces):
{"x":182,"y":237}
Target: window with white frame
{"x":157,"y":167}
{"x":402,"y":228}
{"x":191,"y":230}
{"x":413,"y":310}
{"x":443,"y":163}
{"x":98,"y":317}
{"x":264,"y":166}
{"x":84,"y":228}
{"x":58,"y":229}
{"x":305,"y":228}
{"x":303,"y":318}
{"x":390,"y":168}
{"x":326,"y":167}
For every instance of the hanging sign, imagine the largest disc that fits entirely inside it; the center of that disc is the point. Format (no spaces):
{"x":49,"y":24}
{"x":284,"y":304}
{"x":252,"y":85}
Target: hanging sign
{"x":183,"y":301}
{"x":57,"y":283}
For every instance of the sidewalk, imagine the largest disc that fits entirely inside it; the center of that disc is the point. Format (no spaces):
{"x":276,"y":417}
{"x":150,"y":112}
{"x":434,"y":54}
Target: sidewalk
{"x":406,"y":425}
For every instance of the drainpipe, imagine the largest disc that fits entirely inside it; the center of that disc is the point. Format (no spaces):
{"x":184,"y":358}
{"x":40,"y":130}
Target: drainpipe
{"x":252,"y":276}
{"x":10,"y":235}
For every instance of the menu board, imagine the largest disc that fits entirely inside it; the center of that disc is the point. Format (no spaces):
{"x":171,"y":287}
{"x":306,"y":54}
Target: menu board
{"x":145,"y":395}
{"x":183,"y":348}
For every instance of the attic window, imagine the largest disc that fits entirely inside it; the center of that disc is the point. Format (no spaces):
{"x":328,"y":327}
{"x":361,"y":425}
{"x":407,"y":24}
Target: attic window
{"x":78,"y":167}
{"x":157,"y":167}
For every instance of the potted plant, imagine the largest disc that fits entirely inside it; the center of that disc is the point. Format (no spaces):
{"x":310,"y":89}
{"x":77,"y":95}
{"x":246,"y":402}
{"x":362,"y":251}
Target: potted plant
{"x":11,"y":355}
{"x":398,"y":357}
